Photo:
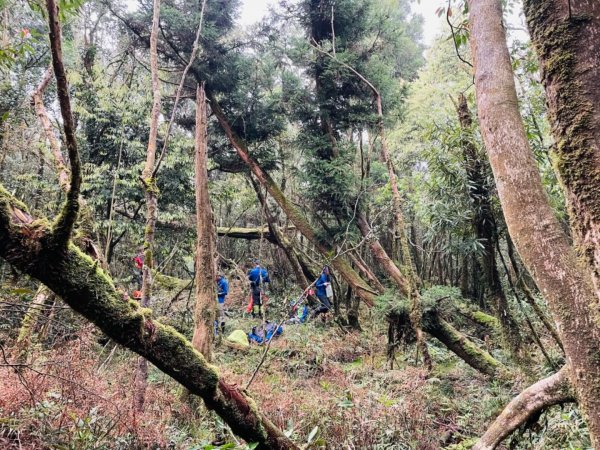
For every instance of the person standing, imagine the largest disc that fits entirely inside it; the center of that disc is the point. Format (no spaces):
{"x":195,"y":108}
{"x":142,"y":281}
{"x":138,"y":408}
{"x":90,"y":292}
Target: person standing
{"x":222,"y":291}
{"x":138,"y":261}
{"x":323,"y":285}
{"x":257,"y":276}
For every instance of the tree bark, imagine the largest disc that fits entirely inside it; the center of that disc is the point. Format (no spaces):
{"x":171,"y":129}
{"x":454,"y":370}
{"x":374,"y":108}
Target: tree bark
{"x":565,"y":36}
{"x":65,"y":221}
{"x":537,"y":235}
{"x":204,"y":312}
{"x":381,"y":256}
{"x":366,"y":271}
{"x":37,"y":100}
{"x":554,"y":390}
{"x":90,"y":291}
{"x":151,"y":194}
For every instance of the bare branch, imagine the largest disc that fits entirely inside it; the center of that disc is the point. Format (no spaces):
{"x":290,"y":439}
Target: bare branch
{"x":179,"y":89}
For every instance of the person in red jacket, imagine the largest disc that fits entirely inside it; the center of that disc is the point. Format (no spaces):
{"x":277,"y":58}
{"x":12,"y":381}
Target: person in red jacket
{"x":138,"y":261}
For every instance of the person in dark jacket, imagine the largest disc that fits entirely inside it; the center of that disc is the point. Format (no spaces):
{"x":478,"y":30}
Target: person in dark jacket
{"x":322,"y":284}
{"x":222,"y":291}
{"x":257,"y":276}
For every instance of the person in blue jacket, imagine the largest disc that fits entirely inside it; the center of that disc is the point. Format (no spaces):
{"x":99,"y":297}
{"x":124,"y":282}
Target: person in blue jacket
{"x":321,"y":284}
{"x":257,"y":276}
{"x":222,"y":291}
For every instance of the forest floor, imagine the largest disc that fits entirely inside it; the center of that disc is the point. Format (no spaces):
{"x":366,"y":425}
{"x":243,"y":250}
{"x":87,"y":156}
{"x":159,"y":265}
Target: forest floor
{"x":324,"y":386}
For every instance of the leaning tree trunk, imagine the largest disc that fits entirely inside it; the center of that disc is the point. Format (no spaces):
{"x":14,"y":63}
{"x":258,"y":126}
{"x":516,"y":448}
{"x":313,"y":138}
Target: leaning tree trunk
{"x":537,"y":235}
{"x":151,"y":194}
{"x":484,"y":223}
{"x":84,"y":286}
{"x":277,"y":234}
{"x":204,"y":313}
{"x":565,"y":34}
{"x":29,"y":323}
{"x":340,"y":264}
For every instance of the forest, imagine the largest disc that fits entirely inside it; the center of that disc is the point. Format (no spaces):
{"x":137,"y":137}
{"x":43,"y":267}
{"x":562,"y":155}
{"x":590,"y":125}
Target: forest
{"x":324,"y":229}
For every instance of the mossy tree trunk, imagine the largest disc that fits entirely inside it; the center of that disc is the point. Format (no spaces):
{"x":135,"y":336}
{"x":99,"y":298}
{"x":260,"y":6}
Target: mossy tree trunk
{"x":461,"y":346}
{"x":565,"y":34}
{"x":204,"y":312}
{"x":538,"y":237}
{"x":29,"y":322}
{"x":484,"y":224}
{"x":400,"y":326}
{"x":84,"y":286}
{"x":250,"y":234}
{"x":151,"y":195}
{"x":65,"y":221}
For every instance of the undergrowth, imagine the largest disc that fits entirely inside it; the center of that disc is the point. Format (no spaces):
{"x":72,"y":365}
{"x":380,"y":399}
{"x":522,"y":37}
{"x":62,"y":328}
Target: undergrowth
{"x":326,"y":387}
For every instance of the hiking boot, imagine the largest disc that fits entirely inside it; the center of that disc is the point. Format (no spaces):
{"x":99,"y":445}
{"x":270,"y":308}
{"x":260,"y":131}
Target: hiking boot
{"x":223,"y":327}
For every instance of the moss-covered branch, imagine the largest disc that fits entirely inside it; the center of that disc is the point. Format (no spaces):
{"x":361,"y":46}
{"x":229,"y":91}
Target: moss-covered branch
{"x":84,"y":286}
{"x":247,"y":233}
{"x":434,"y":324}
{"x":65,"y":221}
{"x":460,"y":345}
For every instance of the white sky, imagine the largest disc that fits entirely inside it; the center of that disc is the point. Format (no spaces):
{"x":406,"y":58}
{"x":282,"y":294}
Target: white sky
{"x":254,"y":10}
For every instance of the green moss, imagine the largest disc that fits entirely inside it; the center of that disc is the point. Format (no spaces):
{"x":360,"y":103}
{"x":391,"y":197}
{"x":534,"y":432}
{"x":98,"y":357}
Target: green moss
{"x":485,"y":319}
{"x":571,"y":112}
{"x":12,"y":201}
{"x":151,"y":187}
{"x":167,"y":282}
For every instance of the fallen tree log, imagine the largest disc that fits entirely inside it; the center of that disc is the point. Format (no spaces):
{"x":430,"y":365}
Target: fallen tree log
{"x":437,"y":326}
{"x":250,"y":234}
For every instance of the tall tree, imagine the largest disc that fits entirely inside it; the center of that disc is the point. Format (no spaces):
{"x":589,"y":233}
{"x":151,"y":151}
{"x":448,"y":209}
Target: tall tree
{"x":538,"y":237}
{"x":565,"y":36}
{"x":204,"y":312}
{"x":151,"y":195}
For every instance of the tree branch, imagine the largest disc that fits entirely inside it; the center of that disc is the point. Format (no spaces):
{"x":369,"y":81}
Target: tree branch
{"x":65,"y":222}
{"x":89,"y":290}
{"x":550,"y":391}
